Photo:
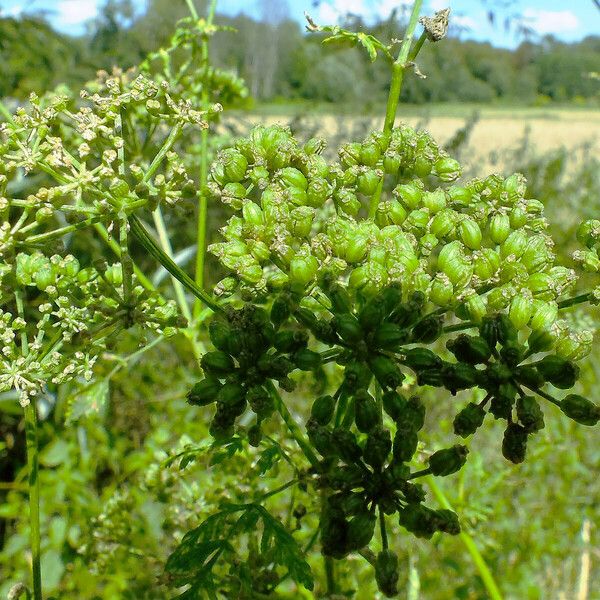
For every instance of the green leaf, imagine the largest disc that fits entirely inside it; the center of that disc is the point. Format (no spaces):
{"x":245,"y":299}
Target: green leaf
{"x":86,"y":399}
{"x":193,"y":560}
{"x":55,"y":453}
{"x":350,"y":38}
{"x":268,"y":459}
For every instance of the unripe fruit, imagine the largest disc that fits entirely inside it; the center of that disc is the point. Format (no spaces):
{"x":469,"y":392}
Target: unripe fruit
{"x":448,"y":461}
{"x":370,"y":153}
{"x":252,"y":213}
{"x":204,"y":392}
{"x":378,"y":447}
{"x":469,"y":419}
{"x":470,"y":233}
{"x":558,"y":371}
{"x":499,"y":228}
{"x":441,"y":291}
{"x":574,"y":346}
{"x":427,"y":330}
{"x":367,"y":182}
{"x":235,"y":165}
{"x":443,"y":223}
{"x":588,"y":233}
{"x":544,"y":315}
{"x":394,"y":404}
{"x":434,"y":201}
{"x":360,"y":530}
{"x":366,"y":414}
{"x":348,"y":328}
{"x":580,"y":409}
{"x":420,"y":359}
{"x":306,"y":360}
{"x":391,"y":162}
{"x":540,"y":341}
{"x":386,"y":371}
{"x":302,"y":271}
{"x":515,"y":244}
{"x":521,"y":309}
{"x":518,"y":217}
{"x":447,"y":169}
{"x":340,"y":299}
{"x":357,"y":249}
{"x":396,"y":212}
{"x":405,"y":445}
{"x":217,"y":362}
{"x":322,"y":409}
{"x":449,"y":254}
{"x":413,"y":416}
{"x":514,"y":444}
{"x":350,"y":154}
{"x":293,"y":178}
{"x":529,"y":413}
{"x":476,"y":307}
{"x":231,"y":395}
{"x":410,"y":194}
{"x":471,"y":349}
{"x":347,"y":201}
{"x":219,"y":333}
{"x":346,"y":445}
{"x":387,"y":573}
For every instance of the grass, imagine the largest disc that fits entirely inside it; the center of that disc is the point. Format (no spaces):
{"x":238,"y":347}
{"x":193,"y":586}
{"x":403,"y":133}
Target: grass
{"x":451,"y":109}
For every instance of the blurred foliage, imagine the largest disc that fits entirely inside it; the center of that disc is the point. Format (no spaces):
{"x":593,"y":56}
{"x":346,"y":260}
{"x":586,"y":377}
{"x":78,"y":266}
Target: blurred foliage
{"x":126,"y":467}
{"x":278,"y":61}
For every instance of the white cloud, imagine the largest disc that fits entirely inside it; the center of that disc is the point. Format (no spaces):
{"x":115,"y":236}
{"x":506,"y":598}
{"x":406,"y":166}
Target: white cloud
{"x":332,"y":10}
{"x":13,"y":11}
{"x":547,"y":21}
{"x":464,"y":21}
{"x":75,"y":12}
{"x":436,"y":5}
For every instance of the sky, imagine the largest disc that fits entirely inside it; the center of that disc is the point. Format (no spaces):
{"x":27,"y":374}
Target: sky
{"x":568,"y":21}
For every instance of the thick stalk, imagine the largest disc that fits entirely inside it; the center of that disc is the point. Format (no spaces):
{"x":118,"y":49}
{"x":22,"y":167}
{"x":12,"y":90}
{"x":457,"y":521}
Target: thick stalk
{"x":478,"y":560}
{"x":165,"y":243}
{"x":399,"y":66}
{"x":581,"y":299}
{"x":101,"y":230}
{"x":203,"y":199}
{"x":34,"y":497}
{"x":293,"y":428}
{"x":154,"y":250}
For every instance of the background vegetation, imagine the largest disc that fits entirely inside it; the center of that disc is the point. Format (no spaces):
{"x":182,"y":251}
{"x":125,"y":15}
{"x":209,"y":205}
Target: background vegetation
{"x":112,"y":511}
{"x":279,"y":62}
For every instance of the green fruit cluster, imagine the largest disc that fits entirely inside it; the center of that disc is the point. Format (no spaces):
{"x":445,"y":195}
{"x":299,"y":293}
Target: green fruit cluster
{"x":475,"y":249}
{"x":378,"y":295}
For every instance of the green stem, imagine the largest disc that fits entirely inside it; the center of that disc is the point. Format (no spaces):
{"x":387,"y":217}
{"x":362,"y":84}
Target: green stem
{"x":278,"y":490}
{"x":165,"y":243}
{"x":458,"y":327}
{"x":544,"y":395}
{"x":330,"y":575}
{"x":31,"y":435}
{"x":382,"y":529}
{"x":421,"y":473}
{"x":154,"y":250}
{"x":293,"y":428}
{"x":167,"y":145}
{"x":101,"y":229}
{"x":582,"y":298}
{"x":398,"y":68}
{"x":478,"y":560}
{"x":203,"y":199}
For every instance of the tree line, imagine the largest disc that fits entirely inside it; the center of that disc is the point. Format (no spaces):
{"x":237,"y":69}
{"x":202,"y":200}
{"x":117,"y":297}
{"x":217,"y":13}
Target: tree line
{"x":279,"y":62}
